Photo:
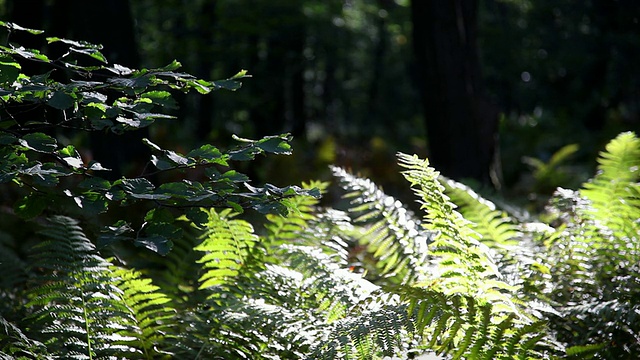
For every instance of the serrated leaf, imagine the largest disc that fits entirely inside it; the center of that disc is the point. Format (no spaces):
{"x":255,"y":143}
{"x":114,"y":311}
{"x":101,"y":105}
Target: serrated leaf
{"x":94,"y":165}
{"x":61,"y":101}
{"x":14,"y":26}
{"x":39,"y":142}
{"x":197,"y":216}
{"x":209,"y":153}
{"x":162,"y":98}
{"x":7,"y":139}
{"x":156,"y":243}
{"x":9,"y":70}
{"x":275,"y":145}
{"x":95,"y":183}
{"x":30,"y":206}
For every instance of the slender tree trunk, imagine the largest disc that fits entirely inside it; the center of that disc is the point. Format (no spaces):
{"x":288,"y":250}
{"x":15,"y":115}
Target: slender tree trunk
{"x":205,"y":105}
{"x":461,"y":124}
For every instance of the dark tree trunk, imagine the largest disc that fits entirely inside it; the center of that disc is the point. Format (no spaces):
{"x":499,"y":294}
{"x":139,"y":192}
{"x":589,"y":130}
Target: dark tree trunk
{"x":205,"y":104}
{"x":280,"y":91}
{"x":297,"y":116}
{"x":461,"y":125}
{"x":109,"y":23}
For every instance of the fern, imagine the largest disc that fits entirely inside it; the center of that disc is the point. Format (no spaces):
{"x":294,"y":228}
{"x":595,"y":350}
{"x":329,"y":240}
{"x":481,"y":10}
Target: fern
{"x":595,"y":256}
{"x":462,"y":264}
{"x":513,"y":246}
{"x":456,"y":300}
{"x":614,"y":189}
{"x":227,"y":243}
{"x":150,"y":309}
{"x":14,"y":344}
{"x":77,"y":309}
{"x":391,"y":233}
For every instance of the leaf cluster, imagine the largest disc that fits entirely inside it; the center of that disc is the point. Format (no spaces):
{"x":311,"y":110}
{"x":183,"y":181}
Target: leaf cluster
{"x":80,"y":93}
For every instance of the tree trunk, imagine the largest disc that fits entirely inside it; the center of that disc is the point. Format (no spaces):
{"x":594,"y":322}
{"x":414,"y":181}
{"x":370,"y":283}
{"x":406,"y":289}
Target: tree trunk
{"x":111,"y":25}
{"x":461,"y":125}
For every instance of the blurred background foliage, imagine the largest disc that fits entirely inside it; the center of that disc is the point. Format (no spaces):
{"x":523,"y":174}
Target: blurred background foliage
{"x":342,"y":77}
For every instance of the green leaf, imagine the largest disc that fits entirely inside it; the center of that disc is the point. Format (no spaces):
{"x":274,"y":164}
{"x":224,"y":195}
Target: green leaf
{"x":9,"y":70}
{"x":131,"y":83}
{"x":197,"y":216}
{"x":157,"y":243}
{"x":13,"y":26}
{"x":95,"y":110}
{"x":139,"y":188}
{"x":210,"y":154}
{"x":94,"y":53}
{"x":45,"y":174}
{"x":158,"y":237}
{"x":61,"y":100}
{"x":174,"y":65}
{"x":162,"y":98}
{"x":275,"y":144}
{"x":95,"y":183}
{"x":244,"y":154}
{"x":30,"y":206}
{"x":159,"y":215}
{"x":90,"y":202}
{"x":235,"y":206}
{"x":71,"y":156}
{"x":80,"y":44}
{"x":115,"y":232}
{"x":232,"y":83}
{"x":39,"y":142}
{"x":7,"y":139}
{"x":96,"y":166}
{"x":235,"y":176}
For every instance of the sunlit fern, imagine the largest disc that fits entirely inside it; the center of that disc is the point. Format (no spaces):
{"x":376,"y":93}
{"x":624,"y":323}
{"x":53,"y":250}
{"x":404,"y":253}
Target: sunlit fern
{"x":391,"y":233}
{"x":514,"y":246}
{"x":151,"y":311}
{"x":595,"y":253}
{"x":226,"y":245}
{"x":450,"y":283}
{"x":77,"y":309}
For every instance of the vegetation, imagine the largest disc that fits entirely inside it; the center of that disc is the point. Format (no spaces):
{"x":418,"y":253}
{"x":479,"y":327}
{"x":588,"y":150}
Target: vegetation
{"x":188,"y":259}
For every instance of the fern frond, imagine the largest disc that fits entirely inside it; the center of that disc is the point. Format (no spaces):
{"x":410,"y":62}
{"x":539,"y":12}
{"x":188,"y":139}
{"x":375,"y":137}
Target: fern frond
{"x":614,"y":190}
{"x":77,"y":309}
{"x":372,"y":333}
{"x":392,"y":234}
{"x":150,"y":309}
{"x":14,"y":344}
{"x":463,"y":263}
{"x":463,"y":328}
{"x":497,"y":229}
{"x":284,"y":229}
{"x":226,"y":245}
{"x":514,"y":247}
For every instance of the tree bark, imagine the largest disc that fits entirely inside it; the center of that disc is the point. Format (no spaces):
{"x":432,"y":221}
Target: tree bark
{"x":461,"y":124}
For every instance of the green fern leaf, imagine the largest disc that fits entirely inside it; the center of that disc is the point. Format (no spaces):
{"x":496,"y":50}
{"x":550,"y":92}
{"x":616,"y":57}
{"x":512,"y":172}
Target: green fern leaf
{"x":391,"y":233}
{"x":226,"y":245}
{"x":151,"y":310}
{"x":76,"y":305}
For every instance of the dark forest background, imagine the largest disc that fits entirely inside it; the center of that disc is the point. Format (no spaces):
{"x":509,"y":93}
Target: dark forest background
{"x":510,"y":95}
